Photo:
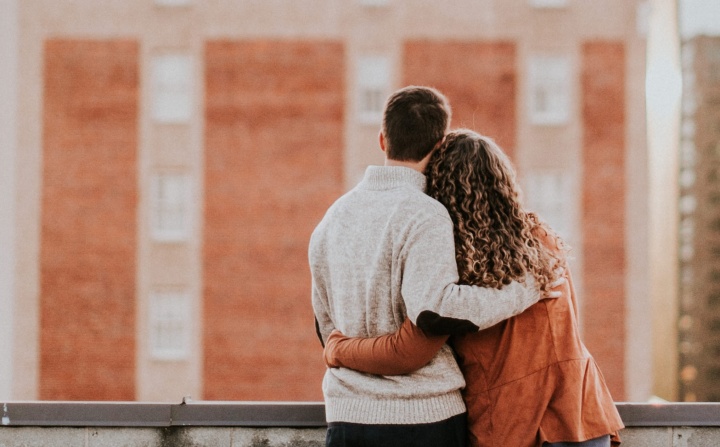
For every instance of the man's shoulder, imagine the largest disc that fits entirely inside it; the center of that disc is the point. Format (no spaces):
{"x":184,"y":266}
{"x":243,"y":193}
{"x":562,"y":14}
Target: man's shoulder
{"x":421,"y":205}
{"x":407,"y":203}
{"x":333,"y":209}
{"x":359,"y":207}
{"x":343,"y":202}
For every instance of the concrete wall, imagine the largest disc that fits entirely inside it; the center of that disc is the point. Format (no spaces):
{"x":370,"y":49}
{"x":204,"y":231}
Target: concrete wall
{"x":162,"y":437}
{"x":281,"y":437}
{"x":8,"y":146}
{"x":298,"y":424}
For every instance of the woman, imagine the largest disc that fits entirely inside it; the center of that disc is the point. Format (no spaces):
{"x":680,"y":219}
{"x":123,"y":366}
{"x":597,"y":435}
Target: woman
{"x":530,"y":380}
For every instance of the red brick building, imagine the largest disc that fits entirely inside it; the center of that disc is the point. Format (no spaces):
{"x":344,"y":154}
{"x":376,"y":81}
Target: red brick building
{"x":699,"y":322}
{"x":173,"y":158}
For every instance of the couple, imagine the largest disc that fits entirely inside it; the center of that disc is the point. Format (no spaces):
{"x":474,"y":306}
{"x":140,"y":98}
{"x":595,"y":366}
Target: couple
{"x":404,"y":263}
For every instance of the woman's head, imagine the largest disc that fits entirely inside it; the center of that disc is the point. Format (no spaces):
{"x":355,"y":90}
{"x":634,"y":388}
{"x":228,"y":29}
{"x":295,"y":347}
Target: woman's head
{"x":496,"y":239}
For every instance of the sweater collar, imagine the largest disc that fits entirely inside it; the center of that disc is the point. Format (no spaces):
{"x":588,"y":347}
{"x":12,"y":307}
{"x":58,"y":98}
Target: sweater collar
{"x":390,"y":177}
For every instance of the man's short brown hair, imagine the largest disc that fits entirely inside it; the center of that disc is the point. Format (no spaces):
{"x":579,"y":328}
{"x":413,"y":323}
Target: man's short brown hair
{"x":414,"y":122}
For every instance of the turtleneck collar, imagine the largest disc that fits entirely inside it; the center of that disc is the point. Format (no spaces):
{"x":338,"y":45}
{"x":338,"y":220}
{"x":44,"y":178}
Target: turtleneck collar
{"x":390,"y":177}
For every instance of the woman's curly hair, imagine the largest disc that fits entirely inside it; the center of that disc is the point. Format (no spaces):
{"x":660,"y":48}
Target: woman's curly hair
{"x":496,"y":240}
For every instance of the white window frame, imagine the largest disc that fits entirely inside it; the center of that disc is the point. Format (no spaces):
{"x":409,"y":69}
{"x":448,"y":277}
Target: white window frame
{"x":372,"y":86}
{"x":172,"y":88}
{"x":169,"y":325}
{"x":549,"y":89}
{"x":548,"y":4}
{"x":173,"y":2}
{"x":374,"y":2}
{"x":170,"y":207}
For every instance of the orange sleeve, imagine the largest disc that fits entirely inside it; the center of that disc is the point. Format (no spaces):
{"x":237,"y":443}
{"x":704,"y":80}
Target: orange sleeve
{"x":401,"y":352}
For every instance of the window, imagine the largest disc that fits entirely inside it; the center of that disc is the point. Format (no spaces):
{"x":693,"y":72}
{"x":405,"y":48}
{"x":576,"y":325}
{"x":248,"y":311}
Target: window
{"x":374,"y":2}
{"x":548,"y":3}
{"x":373,"y":85}
{"x":170,"y":207}
{"x":173,"y":2}
{"x":549,"y":194}
{"x":169,"y":324}
{"x":172,"y":88}
{"x":549,"y":91}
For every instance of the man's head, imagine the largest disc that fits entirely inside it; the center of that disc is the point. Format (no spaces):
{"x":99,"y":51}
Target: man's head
{"x":414,"y":122}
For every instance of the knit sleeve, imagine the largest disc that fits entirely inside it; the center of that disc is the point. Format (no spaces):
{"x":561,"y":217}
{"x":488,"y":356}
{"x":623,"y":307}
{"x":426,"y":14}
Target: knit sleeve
{"x":319,"y":297}
{"x":402,"y":352}
{"x":434,"y":300}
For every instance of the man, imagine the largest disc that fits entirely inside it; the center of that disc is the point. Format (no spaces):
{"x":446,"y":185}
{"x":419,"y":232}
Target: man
{"x":383,"y":252}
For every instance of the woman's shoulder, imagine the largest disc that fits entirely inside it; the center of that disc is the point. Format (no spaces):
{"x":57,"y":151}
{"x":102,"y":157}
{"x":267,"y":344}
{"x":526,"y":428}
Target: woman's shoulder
{"x":547,"y":236}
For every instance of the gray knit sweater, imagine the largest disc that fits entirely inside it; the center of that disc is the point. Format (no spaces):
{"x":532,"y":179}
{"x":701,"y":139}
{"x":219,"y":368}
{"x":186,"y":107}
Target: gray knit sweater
{"x":383,"y":252}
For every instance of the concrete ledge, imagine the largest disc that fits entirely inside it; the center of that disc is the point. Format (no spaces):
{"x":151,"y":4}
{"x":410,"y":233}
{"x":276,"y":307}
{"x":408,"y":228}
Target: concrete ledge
{"x":700,"y":414}
{"x":279,"y":424}
{"x":278,"y":414}
{"x":249,"y":414}
{"x":85,"y":414}
{"x":136,"y":414}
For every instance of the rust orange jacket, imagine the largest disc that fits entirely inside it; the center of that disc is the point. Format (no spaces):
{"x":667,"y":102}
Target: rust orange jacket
{"x":530,"y":378}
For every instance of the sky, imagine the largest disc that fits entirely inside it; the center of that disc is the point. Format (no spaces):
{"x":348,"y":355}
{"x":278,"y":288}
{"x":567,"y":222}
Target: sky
{"x":699,"y":17}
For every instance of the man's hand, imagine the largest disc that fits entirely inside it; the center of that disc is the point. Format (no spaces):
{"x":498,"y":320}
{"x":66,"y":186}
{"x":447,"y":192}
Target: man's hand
{"x":555,"y":290}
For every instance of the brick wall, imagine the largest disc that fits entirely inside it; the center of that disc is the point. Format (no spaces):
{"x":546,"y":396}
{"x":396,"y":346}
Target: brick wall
{"x":603,"y":207}
{"x":88,"y":235}
{"x":274,"y":144}
{"x":479,"y":79}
